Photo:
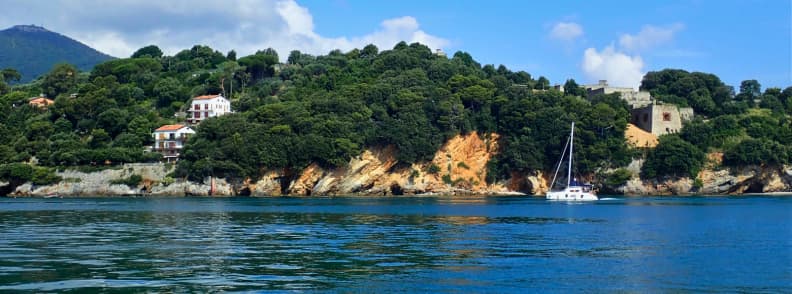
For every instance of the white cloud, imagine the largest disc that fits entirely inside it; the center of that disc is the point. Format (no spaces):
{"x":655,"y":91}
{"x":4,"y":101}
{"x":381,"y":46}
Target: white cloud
{"x":243,"y":25}
{"x":623,"y":66}
{"x":566,"y":31}
{"x":649,"y":36}
{"x":107,"y":42}
{"x":298,"y":20}
{"x":617,"y":67}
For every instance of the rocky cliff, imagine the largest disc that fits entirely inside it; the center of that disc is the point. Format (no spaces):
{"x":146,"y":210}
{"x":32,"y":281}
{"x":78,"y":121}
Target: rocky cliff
{"x":458,"y":167}
{"x":715,"y":180}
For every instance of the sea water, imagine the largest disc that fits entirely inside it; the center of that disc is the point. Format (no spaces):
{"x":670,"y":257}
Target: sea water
{"x":401,"y":244}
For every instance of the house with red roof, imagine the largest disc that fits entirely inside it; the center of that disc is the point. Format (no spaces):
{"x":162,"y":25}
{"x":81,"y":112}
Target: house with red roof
{"x":207,"y":106}
{"x":40,"y":102}
{"x":169,"y":140}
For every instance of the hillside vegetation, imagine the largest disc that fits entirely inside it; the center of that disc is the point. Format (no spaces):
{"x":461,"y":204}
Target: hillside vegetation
{"x":326,"y":109}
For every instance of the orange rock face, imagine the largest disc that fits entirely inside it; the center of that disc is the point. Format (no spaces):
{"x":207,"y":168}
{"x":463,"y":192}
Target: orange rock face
{"x":462,"y":163}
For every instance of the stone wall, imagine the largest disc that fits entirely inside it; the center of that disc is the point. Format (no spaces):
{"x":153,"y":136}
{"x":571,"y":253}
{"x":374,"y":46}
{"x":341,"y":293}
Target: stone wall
{"x":658,"y":119}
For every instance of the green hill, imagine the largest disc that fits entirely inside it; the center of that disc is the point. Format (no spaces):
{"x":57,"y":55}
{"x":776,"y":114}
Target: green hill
{"x":34,"y":50}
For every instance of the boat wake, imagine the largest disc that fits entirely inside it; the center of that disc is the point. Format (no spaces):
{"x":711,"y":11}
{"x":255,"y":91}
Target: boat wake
{"x":608,"y":199}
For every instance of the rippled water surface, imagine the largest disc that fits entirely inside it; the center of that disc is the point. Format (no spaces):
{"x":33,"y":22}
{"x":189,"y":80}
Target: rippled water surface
{"x":496,"y":244}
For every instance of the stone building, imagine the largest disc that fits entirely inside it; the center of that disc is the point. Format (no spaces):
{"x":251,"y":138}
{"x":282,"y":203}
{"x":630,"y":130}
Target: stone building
{"x":645,"y":112}
{"x":658,"y":119}
{"x":633,"y":98}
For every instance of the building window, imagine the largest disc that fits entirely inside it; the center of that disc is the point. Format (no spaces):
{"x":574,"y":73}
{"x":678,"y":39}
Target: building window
{"x":197,"y":115}
{"x":666,"y":116}
{"x":206,"y":106}
{"x":197,"y":107}
{"x":171,"y":136}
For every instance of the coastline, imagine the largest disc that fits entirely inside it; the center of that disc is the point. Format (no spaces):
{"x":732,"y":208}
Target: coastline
{"x":422,"y":195}
{"x":370,"y":178}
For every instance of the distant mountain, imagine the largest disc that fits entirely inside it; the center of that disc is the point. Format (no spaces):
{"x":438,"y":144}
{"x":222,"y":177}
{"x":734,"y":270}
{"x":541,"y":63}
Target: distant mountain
{"x":33,"y":51}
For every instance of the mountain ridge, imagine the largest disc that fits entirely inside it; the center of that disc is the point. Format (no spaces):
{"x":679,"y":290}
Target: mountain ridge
{"x":34,"y":50}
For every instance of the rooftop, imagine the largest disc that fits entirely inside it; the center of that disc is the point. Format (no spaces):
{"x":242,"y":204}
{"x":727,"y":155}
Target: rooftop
{"x":170,"y":128}
{"x":205,"y":97}
{"x":40,"y":101}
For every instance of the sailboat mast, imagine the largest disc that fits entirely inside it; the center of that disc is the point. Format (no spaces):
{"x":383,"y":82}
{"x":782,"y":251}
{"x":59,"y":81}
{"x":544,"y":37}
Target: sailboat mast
{"x":571,"y":146}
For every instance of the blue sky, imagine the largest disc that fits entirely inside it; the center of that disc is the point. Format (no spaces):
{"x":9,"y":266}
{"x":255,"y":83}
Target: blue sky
{"x":584,"y":40}
{"x":735,"y":40}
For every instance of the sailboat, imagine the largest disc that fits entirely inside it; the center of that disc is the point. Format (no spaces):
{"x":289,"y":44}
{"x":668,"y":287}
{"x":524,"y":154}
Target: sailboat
{"x":574,"y":191}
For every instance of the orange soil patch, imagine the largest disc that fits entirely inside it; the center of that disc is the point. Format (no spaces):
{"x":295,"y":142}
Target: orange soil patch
{"x":639,"y":138}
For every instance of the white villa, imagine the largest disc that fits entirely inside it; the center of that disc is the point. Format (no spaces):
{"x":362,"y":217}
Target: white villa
{"x":207,"y":106}
{"x":170,"y":139}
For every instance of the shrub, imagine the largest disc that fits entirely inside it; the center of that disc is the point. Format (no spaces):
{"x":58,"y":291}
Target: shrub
{"x":673,"y":157}
{"x":462,"y":164}
{"x":44,"y":176}
{"x":698,"y":183}
{"x":167,"y":180}
{"x":433,"y":169}
{"x":756,"y":151}
{"x":19,"y":172}
{"x":618,"y":177}
{"x":132,"y":181}
{"x":22,"y":172}
{"x":447,"y":179}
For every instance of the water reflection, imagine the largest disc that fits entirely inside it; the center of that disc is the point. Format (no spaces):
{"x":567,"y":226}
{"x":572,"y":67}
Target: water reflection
{"x":204,"y":245}
{"x":271,"y":250}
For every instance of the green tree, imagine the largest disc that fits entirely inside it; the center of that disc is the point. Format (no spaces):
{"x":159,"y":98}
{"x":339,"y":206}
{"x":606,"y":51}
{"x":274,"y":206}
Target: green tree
{"x":62,"y":79}
{"x":259,"y":65}
{"x":169,"y":90}
{"x":151,"y":51}
{"x":752,"y":88}
{"x":756,"y":152}
{"x":572,"y":88}
{"x":10,"y":75}
{"x":99,"y":138}
{"x":673,"y":157}
{"x":542,"y":84}
{"x":113,"y":121}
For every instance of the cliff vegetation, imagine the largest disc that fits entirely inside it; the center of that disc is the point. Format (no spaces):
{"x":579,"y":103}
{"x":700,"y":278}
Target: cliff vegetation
{"x":322,"y":113}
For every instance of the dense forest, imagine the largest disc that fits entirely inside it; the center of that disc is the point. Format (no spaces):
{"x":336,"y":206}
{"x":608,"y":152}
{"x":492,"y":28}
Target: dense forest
{"x":327,"y":109}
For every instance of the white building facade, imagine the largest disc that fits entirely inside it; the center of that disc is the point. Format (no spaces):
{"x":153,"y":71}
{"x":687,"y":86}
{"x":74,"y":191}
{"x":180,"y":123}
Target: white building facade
{"x":207,"y":106}
{"x":169,"y":140}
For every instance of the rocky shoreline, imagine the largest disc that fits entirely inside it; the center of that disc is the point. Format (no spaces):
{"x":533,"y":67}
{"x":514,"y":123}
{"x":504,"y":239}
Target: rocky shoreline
{"x":458,"y":168}
{"x":155,"y":183}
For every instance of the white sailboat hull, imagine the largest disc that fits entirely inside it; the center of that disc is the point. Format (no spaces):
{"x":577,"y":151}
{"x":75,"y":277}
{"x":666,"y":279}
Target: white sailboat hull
{"x":571,"y":194}
{"x":573,"y":191}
